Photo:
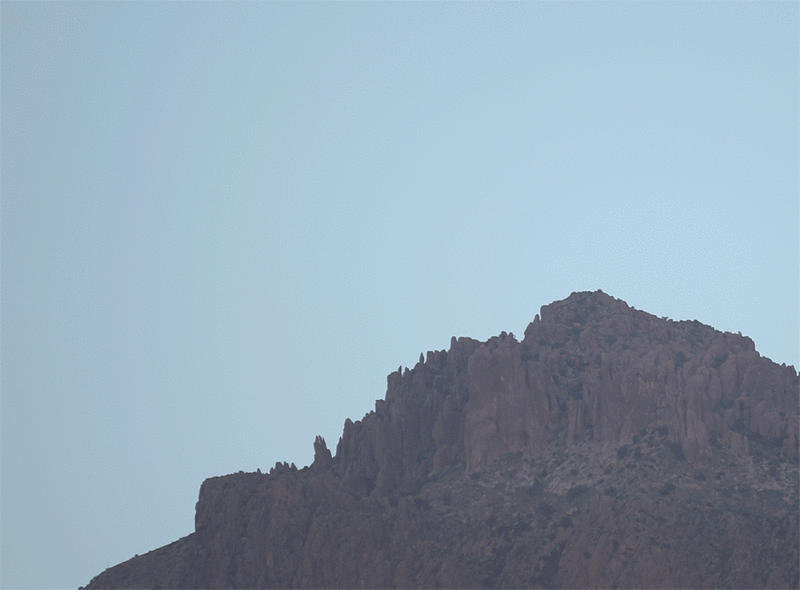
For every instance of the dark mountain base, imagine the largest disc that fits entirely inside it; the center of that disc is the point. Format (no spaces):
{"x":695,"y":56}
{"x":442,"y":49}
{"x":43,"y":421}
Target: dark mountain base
{"x":631,"y":517}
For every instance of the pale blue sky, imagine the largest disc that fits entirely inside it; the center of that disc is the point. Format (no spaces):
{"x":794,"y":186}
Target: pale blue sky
{"x":224,"y":224}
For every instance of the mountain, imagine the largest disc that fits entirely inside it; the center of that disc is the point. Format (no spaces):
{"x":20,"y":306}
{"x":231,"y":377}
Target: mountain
{"x":608,"y":448}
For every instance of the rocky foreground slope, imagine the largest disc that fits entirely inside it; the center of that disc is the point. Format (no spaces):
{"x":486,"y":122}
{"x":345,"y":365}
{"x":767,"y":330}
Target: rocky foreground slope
{"x":608,"y":448}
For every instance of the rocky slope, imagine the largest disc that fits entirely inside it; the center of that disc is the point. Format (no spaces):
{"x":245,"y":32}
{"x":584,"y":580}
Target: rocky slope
{"x":608,"y":448}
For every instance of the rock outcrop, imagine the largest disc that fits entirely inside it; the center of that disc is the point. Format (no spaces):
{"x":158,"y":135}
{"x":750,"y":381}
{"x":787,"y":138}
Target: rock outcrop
{"x":607,"y":448}
{"x":589,"y":367}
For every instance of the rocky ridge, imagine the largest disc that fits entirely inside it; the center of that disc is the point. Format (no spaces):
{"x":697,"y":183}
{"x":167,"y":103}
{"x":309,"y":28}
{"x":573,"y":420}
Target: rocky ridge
{"x":607,"y":448}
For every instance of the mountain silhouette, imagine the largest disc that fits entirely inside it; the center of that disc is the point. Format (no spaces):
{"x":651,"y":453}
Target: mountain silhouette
{"x":607,"y":448}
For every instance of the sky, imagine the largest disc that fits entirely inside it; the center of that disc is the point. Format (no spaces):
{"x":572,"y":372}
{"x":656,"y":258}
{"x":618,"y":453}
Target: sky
{"x":224,"y":224}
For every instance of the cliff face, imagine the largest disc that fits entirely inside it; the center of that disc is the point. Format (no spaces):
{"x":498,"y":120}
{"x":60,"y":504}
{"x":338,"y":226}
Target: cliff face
{"x":607,"y":448}
{"x":590,"y":368}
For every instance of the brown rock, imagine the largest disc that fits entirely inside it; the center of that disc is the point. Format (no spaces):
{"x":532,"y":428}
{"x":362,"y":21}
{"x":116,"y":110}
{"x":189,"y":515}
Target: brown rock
{"x":608,"y":448}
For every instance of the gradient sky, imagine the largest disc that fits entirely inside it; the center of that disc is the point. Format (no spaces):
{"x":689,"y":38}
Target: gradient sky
{"x":224,"y":224}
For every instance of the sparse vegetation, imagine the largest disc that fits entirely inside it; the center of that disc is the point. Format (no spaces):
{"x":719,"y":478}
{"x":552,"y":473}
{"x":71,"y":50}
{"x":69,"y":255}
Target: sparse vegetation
{"x":667,"y":488}
{"x":739,"y":426}
{"x":544,"y":509}
{"x":676,"y":450}
{"x":722,"y":405}
{"x":575,"y":390}
{"x":576,"y":492}
{"x":536,"y":488}
{"x":421,"y":503}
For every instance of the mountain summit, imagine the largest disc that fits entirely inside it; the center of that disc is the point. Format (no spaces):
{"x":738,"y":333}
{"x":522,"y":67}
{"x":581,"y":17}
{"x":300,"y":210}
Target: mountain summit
{"x":607,"y":448}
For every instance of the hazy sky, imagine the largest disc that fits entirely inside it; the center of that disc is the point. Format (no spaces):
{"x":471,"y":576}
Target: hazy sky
{"x":223,"y":224}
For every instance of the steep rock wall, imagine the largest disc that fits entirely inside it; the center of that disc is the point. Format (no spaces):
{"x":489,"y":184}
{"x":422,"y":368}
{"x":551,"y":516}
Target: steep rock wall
{"x":589,"y":367}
